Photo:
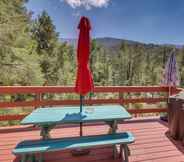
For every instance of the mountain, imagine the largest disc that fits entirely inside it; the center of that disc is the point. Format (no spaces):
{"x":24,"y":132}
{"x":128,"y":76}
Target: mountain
{"x":106,"y":41}
{"x":115,"y":43}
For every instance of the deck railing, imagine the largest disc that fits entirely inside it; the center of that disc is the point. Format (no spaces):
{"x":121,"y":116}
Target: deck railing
{"x":39,"y":91}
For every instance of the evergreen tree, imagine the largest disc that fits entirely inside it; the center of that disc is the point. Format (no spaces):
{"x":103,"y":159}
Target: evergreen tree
{"x":46,"y":37}
{"x":45,"y":34}
{"x":17,"y":46}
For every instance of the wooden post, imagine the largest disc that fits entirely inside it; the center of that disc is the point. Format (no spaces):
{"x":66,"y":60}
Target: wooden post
{"x":38,"y":98}
{"x":171,"y":91}
{"x":121,"y":96}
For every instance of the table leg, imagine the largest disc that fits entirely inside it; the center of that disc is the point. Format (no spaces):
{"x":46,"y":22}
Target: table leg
{"x":113,"y":128}
{"x":32,"y":158}
{"x":126,"y":153}
{"x":41,"y":159}
{"x":23,"y":158}
{"x":45,"y":131}
{"x":121,"y":152}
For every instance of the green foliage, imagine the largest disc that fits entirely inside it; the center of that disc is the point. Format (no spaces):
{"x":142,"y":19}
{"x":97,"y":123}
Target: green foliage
{"x":32,"y":54}
{"x":18,"y":61}
{"x":56,"y":58}
{"x":45,"y":34}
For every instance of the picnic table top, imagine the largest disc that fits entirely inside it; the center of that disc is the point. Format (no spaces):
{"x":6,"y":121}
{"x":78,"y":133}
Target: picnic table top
{"x":61,"y":115}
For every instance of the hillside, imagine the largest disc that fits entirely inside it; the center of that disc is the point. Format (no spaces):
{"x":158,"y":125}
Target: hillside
{"x":112,"y":45}
{"x":107,"y":42}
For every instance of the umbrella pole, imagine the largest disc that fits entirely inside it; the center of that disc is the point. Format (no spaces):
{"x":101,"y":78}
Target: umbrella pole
{"x":81,"y":104}
{"x":80,"y":151}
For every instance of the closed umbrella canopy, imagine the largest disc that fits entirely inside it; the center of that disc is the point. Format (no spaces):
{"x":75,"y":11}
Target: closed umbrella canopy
{"x":84,"y":81}
{"x":171,"y":76}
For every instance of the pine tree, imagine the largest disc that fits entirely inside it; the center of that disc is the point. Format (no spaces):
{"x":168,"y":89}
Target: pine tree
{"x":45,"y":34}
{"x":46,"y":37}
{"x":17,"y":46}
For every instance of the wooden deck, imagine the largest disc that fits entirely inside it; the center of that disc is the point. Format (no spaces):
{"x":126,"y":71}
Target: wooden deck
{"x":152,"y":143}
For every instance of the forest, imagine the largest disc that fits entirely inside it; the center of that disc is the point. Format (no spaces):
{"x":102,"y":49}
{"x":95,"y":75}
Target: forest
{"x":32,"y":53}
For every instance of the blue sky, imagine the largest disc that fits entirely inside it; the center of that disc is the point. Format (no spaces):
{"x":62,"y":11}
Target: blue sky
{"x":149,"y":21}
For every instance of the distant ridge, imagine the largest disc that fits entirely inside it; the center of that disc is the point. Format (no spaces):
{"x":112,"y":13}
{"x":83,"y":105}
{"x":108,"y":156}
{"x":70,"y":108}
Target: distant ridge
{"x":105,"y":41}
{"x":109,"y":42}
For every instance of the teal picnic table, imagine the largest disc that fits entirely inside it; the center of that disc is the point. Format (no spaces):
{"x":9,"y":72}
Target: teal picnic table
{"x":48,"y":117}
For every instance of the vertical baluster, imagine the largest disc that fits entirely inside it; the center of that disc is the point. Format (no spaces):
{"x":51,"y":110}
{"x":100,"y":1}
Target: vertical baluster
{"x":38,"y":99}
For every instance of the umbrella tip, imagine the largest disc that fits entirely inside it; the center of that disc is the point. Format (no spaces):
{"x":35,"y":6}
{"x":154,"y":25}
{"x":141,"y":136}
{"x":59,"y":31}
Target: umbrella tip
{"x":84,"y":21}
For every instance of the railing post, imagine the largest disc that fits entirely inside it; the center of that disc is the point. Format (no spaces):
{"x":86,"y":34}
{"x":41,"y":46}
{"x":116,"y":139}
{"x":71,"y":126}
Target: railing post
{"x":38,"y":99}
{"x":173,"y":90}
{"x":39,"y":96}
{"x":121,"y":97}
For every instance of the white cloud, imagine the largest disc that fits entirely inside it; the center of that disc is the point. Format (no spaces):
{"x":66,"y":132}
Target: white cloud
{"x":88,"y":4}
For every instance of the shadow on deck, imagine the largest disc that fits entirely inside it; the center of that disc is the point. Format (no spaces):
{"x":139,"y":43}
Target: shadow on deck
{"x":153,"y":143}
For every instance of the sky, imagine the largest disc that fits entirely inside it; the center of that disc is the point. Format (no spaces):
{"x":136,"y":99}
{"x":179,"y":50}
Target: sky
{"x":148,"y":21}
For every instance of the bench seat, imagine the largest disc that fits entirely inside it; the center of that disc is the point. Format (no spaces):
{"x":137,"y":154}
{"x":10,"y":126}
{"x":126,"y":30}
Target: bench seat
{"x":41,"y":146}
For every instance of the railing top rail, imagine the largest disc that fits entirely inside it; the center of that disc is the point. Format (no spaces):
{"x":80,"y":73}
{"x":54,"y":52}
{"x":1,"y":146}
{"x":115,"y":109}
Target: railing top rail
{"x":70,"y":89}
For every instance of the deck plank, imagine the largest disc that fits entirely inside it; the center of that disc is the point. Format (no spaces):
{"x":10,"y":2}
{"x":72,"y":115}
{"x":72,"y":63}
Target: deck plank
{"x":152,"y":143}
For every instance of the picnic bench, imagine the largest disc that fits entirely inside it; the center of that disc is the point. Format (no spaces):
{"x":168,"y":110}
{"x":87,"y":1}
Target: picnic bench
{"x":28,"y":149}
{"x":47,"y":118}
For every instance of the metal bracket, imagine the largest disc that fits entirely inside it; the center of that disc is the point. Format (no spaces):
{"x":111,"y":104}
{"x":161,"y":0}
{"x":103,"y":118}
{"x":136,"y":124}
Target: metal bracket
{"x":45,"y":131}
{"x":113,"y":126}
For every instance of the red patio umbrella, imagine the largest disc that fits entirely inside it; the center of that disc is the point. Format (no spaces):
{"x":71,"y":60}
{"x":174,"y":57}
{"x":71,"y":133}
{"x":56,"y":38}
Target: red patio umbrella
{"x":84,"y":80}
